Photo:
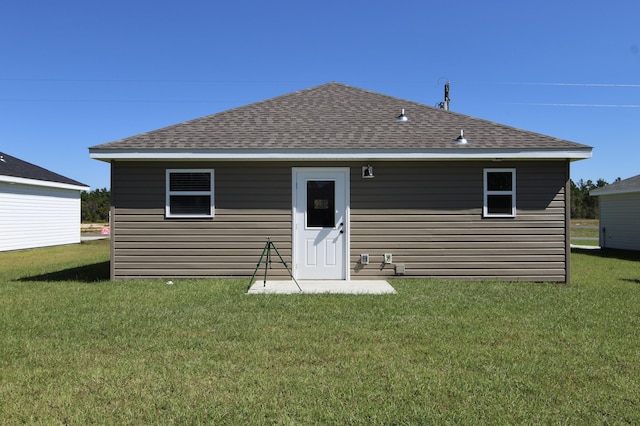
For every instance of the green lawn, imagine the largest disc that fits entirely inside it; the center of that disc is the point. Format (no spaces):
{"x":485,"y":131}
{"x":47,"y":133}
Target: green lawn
{"x":77,"y":349}
{"x":585,"y":232}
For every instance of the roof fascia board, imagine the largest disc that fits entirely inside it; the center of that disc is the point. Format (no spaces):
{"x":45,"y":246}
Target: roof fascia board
{"x":314,"y":155}
{"x":43,"y":183}
{"x":601,"y":191}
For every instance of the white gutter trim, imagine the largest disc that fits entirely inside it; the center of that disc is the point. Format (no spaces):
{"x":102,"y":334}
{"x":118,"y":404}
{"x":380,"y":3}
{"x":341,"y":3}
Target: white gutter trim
{"x":311,"y":155}
{"x":44,"y":183}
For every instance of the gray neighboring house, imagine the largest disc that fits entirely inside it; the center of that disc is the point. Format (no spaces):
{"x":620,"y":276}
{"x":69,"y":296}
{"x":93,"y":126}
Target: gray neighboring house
{"x":620,"y":214}
{"x":38,"y":207}
{"x":349,"y":184}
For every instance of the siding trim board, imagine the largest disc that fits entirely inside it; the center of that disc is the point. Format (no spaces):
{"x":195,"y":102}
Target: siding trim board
{"x":408,"y":210}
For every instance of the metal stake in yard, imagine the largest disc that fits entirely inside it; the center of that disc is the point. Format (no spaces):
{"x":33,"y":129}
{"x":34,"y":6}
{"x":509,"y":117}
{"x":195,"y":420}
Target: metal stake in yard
{"x":267,"y":264}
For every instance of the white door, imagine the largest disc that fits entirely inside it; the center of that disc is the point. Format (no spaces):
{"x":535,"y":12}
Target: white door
{"x":320,"y":223}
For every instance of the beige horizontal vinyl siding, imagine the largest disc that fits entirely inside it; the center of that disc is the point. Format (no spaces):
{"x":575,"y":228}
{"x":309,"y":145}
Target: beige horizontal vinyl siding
{"x":427,"y":214}
{"x":619,"y":221}
{"x":250,"y":205}
{"x":429,"y":217}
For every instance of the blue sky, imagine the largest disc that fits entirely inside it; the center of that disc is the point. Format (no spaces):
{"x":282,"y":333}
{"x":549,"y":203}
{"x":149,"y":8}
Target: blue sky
{"x":75,"y":74}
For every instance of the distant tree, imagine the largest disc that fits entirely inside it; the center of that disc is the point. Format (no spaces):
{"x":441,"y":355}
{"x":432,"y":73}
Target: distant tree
{"x":584,"y":206}
{"x":95,"y":206}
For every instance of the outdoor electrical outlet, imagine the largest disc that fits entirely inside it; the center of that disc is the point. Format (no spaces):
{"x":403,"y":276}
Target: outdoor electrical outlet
{"x":388,"y":258}
{"x":364,"y":259}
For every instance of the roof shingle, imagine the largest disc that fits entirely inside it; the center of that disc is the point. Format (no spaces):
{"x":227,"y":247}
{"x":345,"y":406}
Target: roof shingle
{"x":14,"y":167}
{"x":631,"y":184}
{"x":335,"y":116}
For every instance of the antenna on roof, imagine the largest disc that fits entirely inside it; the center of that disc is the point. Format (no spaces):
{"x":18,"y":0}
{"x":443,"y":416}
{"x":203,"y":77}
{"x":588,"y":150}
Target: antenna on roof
{"x":445,"y":104}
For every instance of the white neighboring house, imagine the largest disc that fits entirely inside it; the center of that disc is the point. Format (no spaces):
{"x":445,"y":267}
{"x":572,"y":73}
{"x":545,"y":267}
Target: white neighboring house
{"x":620,"y":214}
{"x":38,"y":207}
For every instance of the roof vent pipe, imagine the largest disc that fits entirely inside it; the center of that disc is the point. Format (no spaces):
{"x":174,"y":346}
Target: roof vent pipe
{"x":460,"y":140}
{"x":445,"y":104}
{"x":402,"y":118}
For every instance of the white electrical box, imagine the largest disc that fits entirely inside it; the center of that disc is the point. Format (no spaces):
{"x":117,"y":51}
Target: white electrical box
{"x":364,"y":259}
{"x":388,"y":258}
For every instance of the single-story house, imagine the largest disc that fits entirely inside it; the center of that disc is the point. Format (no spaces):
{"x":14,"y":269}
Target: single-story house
{"x":38,"y":207}
{"x":620,"y":214}
{"x":348,"y":184}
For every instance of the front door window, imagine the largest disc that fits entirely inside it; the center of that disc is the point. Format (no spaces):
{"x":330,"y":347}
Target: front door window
{"x":321,"y":204}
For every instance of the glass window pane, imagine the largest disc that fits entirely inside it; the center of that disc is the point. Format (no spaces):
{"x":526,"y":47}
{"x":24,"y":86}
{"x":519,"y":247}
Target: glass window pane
{"x":190,"y":181}
{"x":499,"y":204}
{"x":191,"y":204}
{"x":321,"y":204}
{"x":499,"y":181}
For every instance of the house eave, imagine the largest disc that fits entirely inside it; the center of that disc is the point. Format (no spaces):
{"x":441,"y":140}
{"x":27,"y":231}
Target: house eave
{"x":600,"y":192}
{"x":41,"y":183}
{"x":339,"y":155}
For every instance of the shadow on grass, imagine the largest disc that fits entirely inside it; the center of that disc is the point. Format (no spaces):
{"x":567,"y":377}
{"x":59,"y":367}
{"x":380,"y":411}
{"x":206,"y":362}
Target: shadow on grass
{"x":87,"y":274}
{"x":605,"y":253}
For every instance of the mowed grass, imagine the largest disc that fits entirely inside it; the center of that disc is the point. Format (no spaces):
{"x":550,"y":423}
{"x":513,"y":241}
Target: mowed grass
{"x":585,"y":232}
{"x":79,"y":349}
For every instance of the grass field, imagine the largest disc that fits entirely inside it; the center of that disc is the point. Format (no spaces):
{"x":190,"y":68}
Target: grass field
{"x":585,"y":232}
{"x":78,"y":349}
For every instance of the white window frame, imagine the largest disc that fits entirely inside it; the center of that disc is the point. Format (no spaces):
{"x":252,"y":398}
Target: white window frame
{"x":487,"y":193}
{"x":169,"y":193}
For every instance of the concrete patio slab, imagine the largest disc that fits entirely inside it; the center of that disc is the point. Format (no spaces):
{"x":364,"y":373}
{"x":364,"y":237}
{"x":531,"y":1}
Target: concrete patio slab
{"x":322,"y":286}
{"x":577,"y":246}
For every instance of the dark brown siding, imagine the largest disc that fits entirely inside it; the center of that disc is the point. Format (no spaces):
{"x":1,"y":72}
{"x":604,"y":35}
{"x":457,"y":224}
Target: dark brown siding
{"x":427,"y":214}
{"x":251,"y":204}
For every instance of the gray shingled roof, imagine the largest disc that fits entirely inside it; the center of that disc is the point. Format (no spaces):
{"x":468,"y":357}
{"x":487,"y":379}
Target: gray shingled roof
{"x":631,"y":184}
{"x":14,"y":167}
{"x":334,"y":116}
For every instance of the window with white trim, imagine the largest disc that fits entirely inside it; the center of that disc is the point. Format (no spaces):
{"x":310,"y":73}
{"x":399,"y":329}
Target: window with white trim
{"x":499,"y":193}
{"x":189,"y":193}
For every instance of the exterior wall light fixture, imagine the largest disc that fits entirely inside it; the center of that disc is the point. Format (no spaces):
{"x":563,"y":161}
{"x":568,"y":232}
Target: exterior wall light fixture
{"x":367,"y":172}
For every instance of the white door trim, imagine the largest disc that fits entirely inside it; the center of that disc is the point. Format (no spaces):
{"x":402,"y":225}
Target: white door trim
{"x":295,"y":171}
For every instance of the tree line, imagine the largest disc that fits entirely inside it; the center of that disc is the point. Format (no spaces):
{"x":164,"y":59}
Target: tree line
{"x":584,"y":206}
{"x":96,"y":204}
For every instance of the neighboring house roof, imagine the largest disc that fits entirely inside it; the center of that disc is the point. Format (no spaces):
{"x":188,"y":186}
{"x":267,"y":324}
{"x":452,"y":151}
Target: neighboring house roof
{"x":14,"y":170}
{"x":621,"y":187}
{"x":336,"y":121}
